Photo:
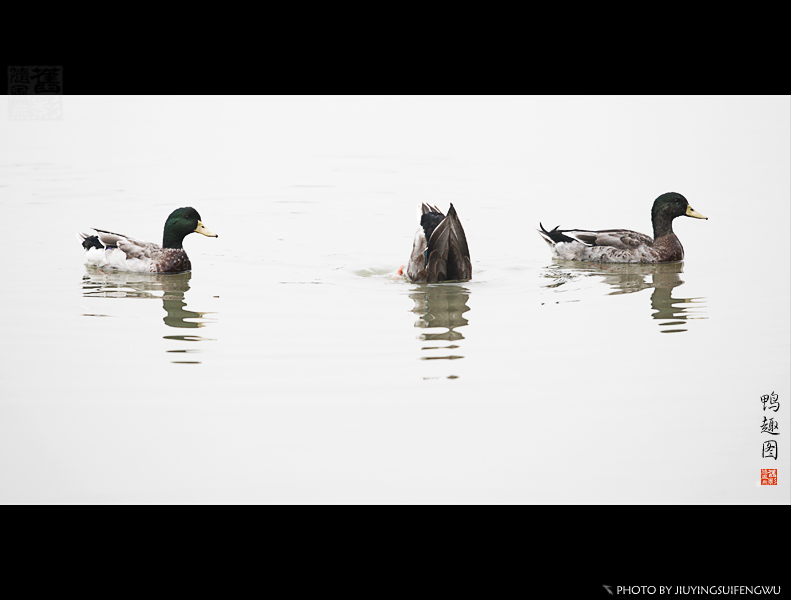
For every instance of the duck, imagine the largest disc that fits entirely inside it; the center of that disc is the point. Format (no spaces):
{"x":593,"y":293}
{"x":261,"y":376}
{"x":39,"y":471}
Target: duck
{"x":440,"y":251}
{"x":623,"y":245}
{"x":124,"y":253}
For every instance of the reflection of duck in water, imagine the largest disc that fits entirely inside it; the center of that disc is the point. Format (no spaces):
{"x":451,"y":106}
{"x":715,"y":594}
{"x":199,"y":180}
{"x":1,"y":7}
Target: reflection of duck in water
{"x":623,"y":245}
{"x":440,"y":251}
{"x":623,"y":278}
{"x":666,"y":307}
{"x":629,"y":278}
{"x":441,"y":306}
{"x":107,"y":249}
{"x":440,"y":310}
{"x":116,"y":284}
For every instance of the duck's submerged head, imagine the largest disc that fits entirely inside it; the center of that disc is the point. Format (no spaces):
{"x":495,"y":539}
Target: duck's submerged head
{"x":180,"y":224}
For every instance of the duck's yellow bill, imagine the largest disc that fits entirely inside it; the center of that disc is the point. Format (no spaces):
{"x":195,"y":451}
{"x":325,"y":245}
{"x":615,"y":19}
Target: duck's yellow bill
{"x":201,"y":228}
{"x":691,"y":212}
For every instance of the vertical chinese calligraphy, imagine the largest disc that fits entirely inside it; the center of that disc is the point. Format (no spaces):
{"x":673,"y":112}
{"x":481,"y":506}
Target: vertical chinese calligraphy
{"x":769,"y":426}
{"x":35,"y":93}
{"x":769,"y":447}
{"x":770,"y":401}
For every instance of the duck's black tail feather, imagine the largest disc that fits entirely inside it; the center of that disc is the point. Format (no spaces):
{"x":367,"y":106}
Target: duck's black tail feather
{"x":555,"y":235}
{"x":90,"y":241}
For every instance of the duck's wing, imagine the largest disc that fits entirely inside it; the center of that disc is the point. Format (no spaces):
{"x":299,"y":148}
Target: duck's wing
{"x":622,"y":239}
{"x":448,"y":256}
{"x":459,"y":263}
{"x":133,"y":248}
{"x":110,"y":239}
{"x":136,"y":249}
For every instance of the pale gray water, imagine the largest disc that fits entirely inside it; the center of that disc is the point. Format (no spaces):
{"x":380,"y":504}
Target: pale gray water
{"x":293,"y":365}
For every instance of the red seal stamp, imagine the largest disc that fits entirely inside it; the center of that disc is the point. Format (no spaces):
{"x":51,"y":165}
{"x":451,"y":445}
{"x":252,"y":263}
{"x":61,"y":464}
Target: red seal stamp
{"x":768,"y":476}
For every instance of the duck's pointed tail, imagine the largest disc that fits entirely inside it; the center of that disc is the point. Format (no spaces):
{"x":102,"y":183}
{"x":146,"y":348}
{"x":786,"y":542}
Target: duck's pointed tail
{"x":89,"y":241}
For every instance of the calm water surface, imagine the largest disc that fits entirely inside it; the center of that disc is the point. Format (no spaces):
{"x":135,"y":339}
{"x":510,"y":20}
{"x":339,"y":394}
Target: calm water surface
{"x":293,"y":364}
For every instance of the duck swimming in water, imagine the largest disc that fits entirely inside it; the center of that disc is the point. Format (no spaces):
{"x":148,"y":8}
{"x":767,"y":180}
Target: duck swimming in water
{"x":623,"y":245}
{"x":107,"y":249}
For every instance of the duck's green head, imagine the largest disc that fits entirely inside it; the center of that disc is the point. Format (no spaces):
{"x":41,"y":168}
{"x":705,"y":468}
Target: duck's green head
{"x":181,"y":223}
{"x":671,"y":205}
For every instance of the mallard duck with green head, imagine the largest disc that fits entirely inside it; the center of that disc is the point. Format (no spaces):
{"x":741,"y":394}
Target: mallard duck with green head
{"x":623,"y":245}
{"x":440,"y":251}
{"x":107,"y":249}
